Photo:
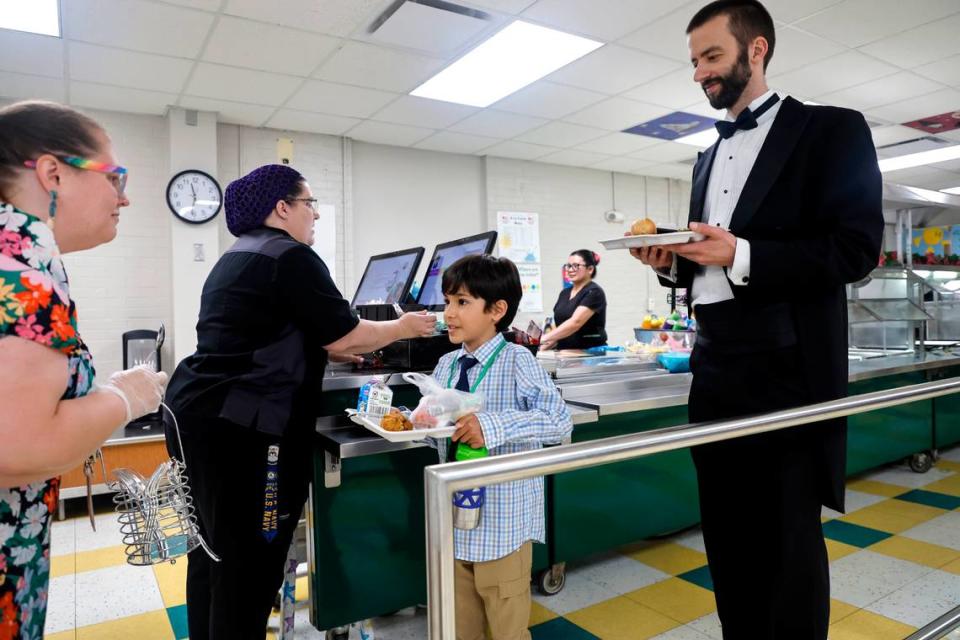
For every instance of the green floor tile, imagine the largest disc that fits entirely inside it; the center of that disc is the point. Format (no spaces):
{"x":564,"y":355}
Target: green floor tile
{"x":853,"y":534}
{"x":932,"y":499}
{"x":178,"y":620}
{"x":560,"y":629}
{"x":699,"y":576}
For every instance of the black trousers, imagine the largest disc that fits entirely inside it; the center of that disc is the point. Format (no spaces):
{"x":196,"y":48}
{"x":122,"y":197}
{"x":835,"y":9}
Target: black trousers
{"x":759,"y":500}
{"x":227,"y":467}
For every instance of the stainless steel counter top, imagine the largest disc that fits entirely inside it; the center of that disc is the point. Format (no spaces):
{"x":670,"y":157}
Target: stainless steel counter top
{"x":893,"y":365}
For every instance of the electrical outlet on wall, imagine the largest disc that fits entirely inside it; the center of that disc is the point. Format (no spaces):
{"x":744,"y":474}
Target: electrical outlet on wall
{"x":650,"y":304}
{"x":198,"y":252}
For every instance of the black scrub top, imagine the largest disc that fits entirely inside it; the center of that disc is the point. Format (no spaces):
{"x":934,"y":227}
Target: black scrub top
{"x":264,"y":318}
{"x":593,"y":333}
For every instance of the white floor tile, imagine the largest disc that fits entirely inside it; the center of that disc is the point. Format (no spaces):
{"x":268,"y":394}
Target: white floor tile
{"x":864,"y":577}
{"x":116,"y":592}
{"x":682,"y":633}
{"x":579,"y":592}
{"x":61,"y":604}
{"x":943,"y":530}
{"x":618,"y":573}
{"x":106,"y":535}
{"x":951,"y":454}
{"x":63,"y":537}
{"x":708,"y":625}
{"x":902,"y":476}
{"x":921,"y":601}
{"x":855,"y":500}
{"x":692,"y":539}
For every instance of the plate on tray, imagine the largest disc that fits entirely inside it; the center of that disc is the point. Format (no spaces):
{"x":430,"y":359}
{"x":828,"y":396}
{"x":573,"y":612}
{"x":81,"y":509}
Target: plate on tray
{"x":372,"y":424}
{"x":636,"y":242}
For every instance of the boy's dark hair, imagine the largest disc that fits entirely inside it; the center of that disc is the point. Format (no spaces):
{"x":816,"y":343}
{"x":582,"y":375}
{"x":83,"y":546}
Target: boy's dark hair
{"x":590,"y":259}
{"x":488,"y":278}
{"x":748,"y":20}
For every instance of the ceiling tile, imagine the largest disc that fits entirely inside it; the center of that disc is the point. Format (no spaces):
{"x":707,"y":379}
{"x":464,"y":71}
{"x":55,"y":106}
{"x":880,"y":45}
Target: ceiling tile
{"x":18,"y":85}
{"x":252,"y":115}
{"x":617,"y":114}
{"x":791,"y":10}
{"x":605,"y":20}
{"x":385,"y":133}
{"x":561,"y":134}
{"x":93,"y":63}
{"x":612,"y":69}
{"x":622,"y":165}
{"x":498,"y":124}
{"x":920,"y":107}
{"x":919,"y":46}
{"x":795,"y":49}
{"x":432,"y":30}
{"x":241,"y":85}
{"x":503,"y":6}
{"x":946,"y":71}
{"x":844,"y":70}
{"x":206,"y":5}
{"x":893,"y":134}
{"x":378,"y":67}
{"x":548,"y":100}
{"x":453,"y":142}
{"x":703,"y":108}
{"x":858,"y":22}
{"x":928,"y":177}
{"x":617,"y":144}
{"x":518,"y":150}
{"x":886,"y":90}
{"x":254,"y":45}
{"x":667,"y":36}
{"x":31,"y":53}
{"x":339,"y":99}
{"x":674,"y":90}
{"x":666,"y":152}
{"x":423,"y":112}
{"x":335,"y":17}
{"x":573,"y":158}
{"x":951,"y":135}
{"x":137,"y":25}
{"x":99,"y":96}
{"x":293,"y":120}
{"x":669,"y":170}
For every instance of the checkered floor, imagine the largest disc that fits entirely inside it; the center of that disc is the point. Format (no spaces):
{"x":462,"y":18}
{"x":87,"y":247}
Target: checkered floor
{"x":895,"y":565}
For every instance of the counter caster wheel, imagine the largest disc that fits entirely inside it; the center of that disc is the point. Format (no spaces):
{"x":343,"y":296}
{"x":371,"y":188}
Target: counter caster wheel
{"x":551,"y":581}
{"x":340,"y":633}
{"x":921,"y":462}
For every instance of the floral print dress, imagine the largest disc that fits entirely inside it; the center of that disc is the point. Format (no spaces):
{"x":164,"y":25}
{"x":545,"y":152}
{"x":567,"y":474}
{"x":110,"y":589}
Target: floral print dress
{"x":35,"y":305}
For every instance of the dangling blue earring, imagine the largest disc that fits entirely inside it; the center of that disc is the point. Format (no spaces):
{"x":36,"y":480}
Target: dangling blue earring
{"x":52,"y":211}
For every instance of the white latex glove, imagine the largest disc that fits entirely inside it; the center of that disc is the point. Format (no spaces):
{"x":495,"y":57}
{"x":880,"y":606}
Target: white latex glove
{"x":140,"y":388}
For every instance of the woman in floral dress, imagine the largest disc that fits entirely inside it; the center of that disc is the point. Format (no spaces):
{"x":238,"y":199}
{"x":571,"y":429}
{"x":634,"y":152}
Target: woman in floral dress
{"x":60,"y":191}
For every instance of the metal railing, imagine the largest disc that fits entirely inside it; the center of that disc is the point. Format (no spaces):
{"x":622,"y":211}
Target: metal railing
{"x":939,"y":627}
{"x":441,"y":481}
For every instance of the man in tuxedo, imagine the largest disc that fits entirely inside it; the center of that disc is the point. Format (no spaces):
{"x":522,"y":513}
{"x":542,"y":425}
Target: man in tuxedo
{"x":789,"y":199}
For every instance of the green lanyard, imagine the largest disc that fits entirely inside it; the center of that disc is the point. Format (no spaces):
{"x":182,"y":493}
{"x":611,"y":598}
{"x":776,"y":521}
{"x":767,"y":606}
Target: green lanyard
{"x":483,"y":372}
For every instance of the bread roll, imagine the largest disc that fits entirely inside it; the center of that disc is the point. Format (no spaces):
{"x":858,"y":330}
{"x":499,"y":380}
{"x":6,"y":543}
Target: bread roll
{"x":643,"y":227}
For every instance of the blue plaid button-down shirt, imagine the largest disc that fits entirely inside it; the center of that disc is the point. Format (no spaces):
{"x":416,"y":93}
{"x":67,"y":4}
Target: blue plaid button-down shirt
{"x":522,"y":410}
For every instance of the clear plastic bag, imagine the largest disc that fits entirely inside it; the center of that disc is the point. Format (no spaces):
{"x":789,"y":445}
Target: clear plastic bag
{"x":440,"y":407}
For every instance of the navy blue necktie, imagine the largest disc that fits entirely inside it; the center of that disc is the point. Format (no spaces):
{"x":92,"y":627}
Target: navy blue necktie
{"x":746,"y":120}
{"x":463,"y":384}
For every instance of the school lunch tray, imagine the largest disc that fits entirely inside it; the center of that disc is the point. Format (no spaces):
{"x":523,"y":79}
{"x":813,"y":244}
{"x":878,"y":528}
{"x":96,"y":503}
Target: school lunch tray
{"x":372,"y":423}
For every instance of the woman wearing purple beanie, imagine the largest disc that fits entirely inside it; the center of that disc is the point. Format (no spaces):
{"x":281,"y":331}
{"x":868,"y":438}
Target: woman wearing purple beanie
{"x":246,"y":400}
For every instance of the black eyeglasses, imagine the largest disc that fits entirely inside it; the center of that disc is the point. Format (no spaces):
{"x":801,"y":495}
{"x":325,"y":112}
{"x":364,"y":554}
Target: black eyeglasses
{"x":311,"y":202}
{"x":573,"y":266}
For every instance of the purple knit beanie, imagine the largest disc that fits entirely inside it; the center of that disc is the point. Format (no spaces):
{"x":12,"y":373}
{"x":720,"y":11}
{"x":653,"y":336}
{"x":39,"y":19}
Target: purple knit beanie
{"x":250,"y":199}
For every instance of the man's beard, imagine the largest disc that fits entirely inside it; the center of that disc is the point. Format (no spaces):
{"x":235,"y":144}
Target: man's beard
{"x":732,"y":84}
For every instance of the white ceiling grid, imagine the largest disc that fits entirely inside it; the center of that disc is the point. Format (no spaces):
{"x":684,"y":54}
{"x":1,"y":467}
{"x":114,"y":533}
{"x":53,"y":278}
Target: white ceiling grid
{"x":313,"y":65}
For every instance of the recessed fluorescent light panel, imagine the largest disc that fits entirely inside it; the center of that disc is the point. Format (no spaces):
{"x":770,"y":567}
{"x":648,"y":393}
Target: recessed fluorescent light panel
{"x":33,"y":16}
{"x":953,"y":191}
{"x":513,"y":58}
{"x":943,"y":154}
{"x":703,"y":139}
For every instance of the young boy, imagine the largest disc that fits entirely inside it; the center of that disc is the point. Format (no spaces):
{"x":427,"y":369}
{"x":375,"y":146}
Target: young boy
{"x":522,"y":411}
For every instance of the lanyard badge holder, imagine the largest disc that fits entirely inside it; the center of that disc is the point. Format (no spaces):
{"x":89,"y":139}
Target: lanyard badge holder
{"x":158,"y":521}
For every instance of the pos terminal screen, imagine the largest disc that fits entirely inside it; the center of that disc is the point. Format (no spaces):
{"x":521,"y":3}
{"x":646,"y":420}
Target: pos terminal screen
{"x":431,"y":294}
{"x":387,"y":277}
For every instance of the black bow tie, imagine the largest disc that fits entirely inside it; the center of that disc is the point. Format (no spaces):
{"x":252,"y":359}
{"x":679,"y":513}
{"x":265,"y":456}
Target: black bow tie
{"x":746,"y":120}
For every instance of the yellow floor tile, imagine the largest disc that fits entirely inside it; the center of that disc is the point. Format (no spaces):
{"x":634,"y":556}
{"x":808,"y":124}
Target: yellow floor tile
{"x":302,"y":593}
{"x":877,"y":488}
{"x":893,"y":516}
{"x":837,"y":550}
{"x":948,"y":465}
{"x":620,"y":618}
{"x":539,"y":614}
{"x":840,"y":610}
{"x":677,"y":599}
{"x":929,"y":555}
{"x":62,"y":635}
{"x":864,"y":625}
{"x":668,"y":557}
{"x":101,"y":558}
{"x":952,"y":567}
{"x":950,"y":486}
{"x":172,"y":580}
{"x":63,"y":565}
{"x":147,"y":626}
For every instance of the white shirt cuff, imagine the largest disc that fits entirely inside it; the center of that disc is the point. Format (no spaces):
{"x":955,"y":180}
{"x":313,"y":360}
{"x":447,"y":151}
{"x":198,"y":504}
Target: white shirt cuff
{"x":739,"y":272}
{"x":670,"y":274}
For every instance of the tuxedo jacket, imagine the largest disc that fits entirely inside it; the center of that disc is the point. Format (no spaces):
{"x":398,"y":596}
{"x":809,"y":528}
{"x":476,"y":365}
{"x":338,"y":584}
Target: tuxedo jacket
{"x":811,"y":210}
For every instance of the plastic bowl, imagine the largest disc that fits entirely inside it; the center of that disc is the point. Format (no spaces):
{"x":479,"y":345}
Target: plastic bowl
{"x":675,"y":362}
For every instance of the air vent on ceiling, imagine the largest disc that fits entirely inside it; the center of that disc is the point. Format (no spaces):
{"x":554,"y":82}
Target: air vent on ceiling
{"x":434,"y":26}
{"x":916,"y":145}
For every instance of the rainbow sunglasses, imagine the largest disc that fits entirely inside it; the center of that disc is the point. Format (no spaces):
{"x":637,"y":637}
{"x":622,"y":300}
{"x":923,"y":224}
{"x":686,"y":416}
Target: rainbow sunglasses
{"x":116,"y":172}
